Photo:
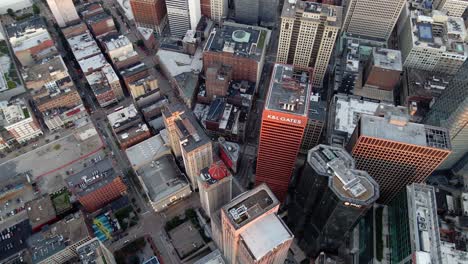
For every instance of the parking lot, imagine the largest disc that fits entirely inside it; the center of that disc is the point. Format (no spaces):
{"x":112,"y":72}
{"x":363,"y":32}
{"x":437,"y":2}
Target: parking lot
{"x":13,"y":239}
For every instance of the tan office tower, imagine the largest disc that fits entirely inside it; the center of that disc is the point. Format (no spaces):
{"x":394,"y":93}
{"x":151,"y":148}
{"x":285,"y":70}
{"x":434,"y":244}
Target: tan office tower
{"x":252,"y":231}
{"x":215,"y":187}
{"x":308,"y":35}
{"x":454,"y":8}
{"x":186,"y":136}
{"x":218,"y":9}
{"x":396,"y":152}
{"x":64,"y":11}
{"x":373,"y":19}
{"x":150,"y":14}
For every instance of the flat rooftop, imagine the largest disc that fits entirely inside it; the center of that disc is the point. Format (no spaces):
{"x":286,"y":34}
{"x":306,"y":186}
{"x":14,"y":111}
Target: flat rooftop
{"x":317,"y":108}
{"x":289,"y":91}
{"x":123,"y":116}
{"x":439,"y":31}
{"x":49,"y":69}
{"x":189,"y":130}
{"x":313,"y":11}
{"x":40,"y":211}
{"x":83,"y":46}
{"x":146,"y":151}
{"x":249,"y":205}
{"x":387,"y":59}
{"x":349,"y":184}
{"x":89,"y":252}
{"x":265,"y":235}
{"x":117,"y":43}
{"x":348,"y":110}
{"x":396,"y":127}
{"x":92,"y":178}
{"x":162,"y":178}
{"x":422,"y":213}
{"x":176,"y":63}
{"x":93,"y":63}
{"x":238,"y":39}
{"x":424,"y":85}
{"x":25,"y":27}
{"x":214,"y":257}
{"x":16,"y":236}
{"x":58,"y":237}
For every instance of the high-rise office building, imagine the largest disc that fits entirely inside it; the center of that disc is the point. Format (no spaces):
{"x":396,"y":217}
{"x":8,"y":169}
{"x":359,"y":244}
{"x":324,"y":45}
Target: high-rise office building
{"x":215,"y":187}
{"x":330,"y":197}
{"x":218,"y":10}
{"x":451,"y":111}
{"x":308,"y":34}
{"x":284,"y":120}
{"x":252,"y":231}
{"x":188,"y":140}
{"x":395,"y":151}
{"x":183,"y":15}
{"x":414,"y":227}
{"x":373,"y":19}
{"x":454,"y":8}
{"x":150,"y":14}
{"x":316,"y":120}
{"x":64,"y":11}
{"x":246,"y":11}
{"x":95,"y":252}
{"x":432,"y":41}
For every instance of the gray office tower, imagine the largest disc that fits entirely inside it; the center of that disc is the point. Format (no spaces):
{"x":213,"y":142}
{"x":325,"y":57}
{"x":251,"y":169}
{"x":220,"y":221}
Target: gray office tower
{"x":450,"y":111}
{"x":254,"y":12}
{"x":330,"y":198}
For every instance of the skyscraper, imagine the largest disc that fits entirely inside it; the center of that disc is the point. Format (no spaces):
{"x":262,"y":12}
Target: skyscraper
{"x":247,"y":11}
{"x":251,"y":230}
{"x":451,"y":111}
{"x":308,"y":35}
{"x":150,"y":14}
{"x":188,"y":140}
{"x":373,"y":19}
{"x":64,"y":11}
{"x":218,"y":10}
{"x":183,"y":15}
{"x":283,"y":123}
{"x":414,"y":226}
{"x":215,"y":187}
{"x":396,"y":152}
{"x":330,"y":197}
{"x":453,"y":7}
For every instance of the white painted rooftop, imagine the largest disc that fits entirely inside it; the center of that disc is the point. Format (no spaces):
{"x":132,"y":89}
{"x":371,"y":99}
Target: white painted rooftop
{"x":177,"y":63}
{"x":265,"y":235}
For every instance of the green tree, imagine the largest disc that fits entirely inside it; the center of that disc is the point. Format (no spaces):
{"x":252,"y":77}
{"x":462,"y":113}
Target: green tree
{"x":10,"y":12}
{"x":36,"y":9}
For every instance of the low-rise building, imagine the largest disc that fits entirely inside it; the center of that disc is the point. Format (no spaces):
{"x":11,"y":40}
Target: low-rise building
{"x":146,"y":151}
{"x":41,"y":212}
{"x":105,"y":85}
{"x":226,"y":120}
{"x":17,"y":119}
{"x":120,"y":51}
{"x":143,"y":86}
{"x":229,"y":153}
{"x":96,"y":185}
{"x":58,"y":243}
{"x":163,"y":182}
{"x":101,"y":24}
{"x":30,"y":40}
{"x":128,"y":126}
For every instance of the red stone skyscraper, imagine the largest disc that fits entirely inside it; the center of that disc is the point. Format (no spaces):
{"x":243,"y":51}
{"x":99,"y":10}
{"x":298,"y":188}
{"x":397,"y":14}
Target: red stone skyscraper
{"x":150,"y":14}
{"x":283,"y":122}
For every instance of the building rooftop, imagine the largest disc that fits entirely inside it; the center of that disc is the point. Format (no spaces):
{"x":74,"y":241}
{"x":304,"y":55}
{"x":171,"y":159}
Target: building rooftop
{"x":13,"y":112}
{"x":317,"y":108}
{"x":214,"y":257}
{"x":146,"y":33}
{"x":348,"y":110}
{"x":123,"y":116}
{"x":50,"y":70}
{"x":387,"y":59}
{"x":439,"y":31}
{"x":83,"y":46}
{"x":91,"y":252}
{"x":40,"y":211}
{"x":424,"y":227}
{"x":15,"y":236}
{"x":146,"y":151}
{"x":98,"y":17}
{"x":117,"y":43}
{"x":92,"y":178}
{"x":313,"y":11}
{"x":349,"y":184}
{"x":176,"y":63}
{"x":289,"y":91}
{"x":395,"y":126}
{"x":190,"y":132}
{"x":93,"y":63}
{"x":249,"y":205}
{"x":452,"y":255}
{"x":266,"y":234}
{"x":238,"y":39}
{"x":216,"y":172}
{"x":161,"y":178}
{"x":133,"y":69}
{"x":58,"y":237}
{"x":27,"y":33}
{"x":424,"y":85}
{"x":231,"y":149}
